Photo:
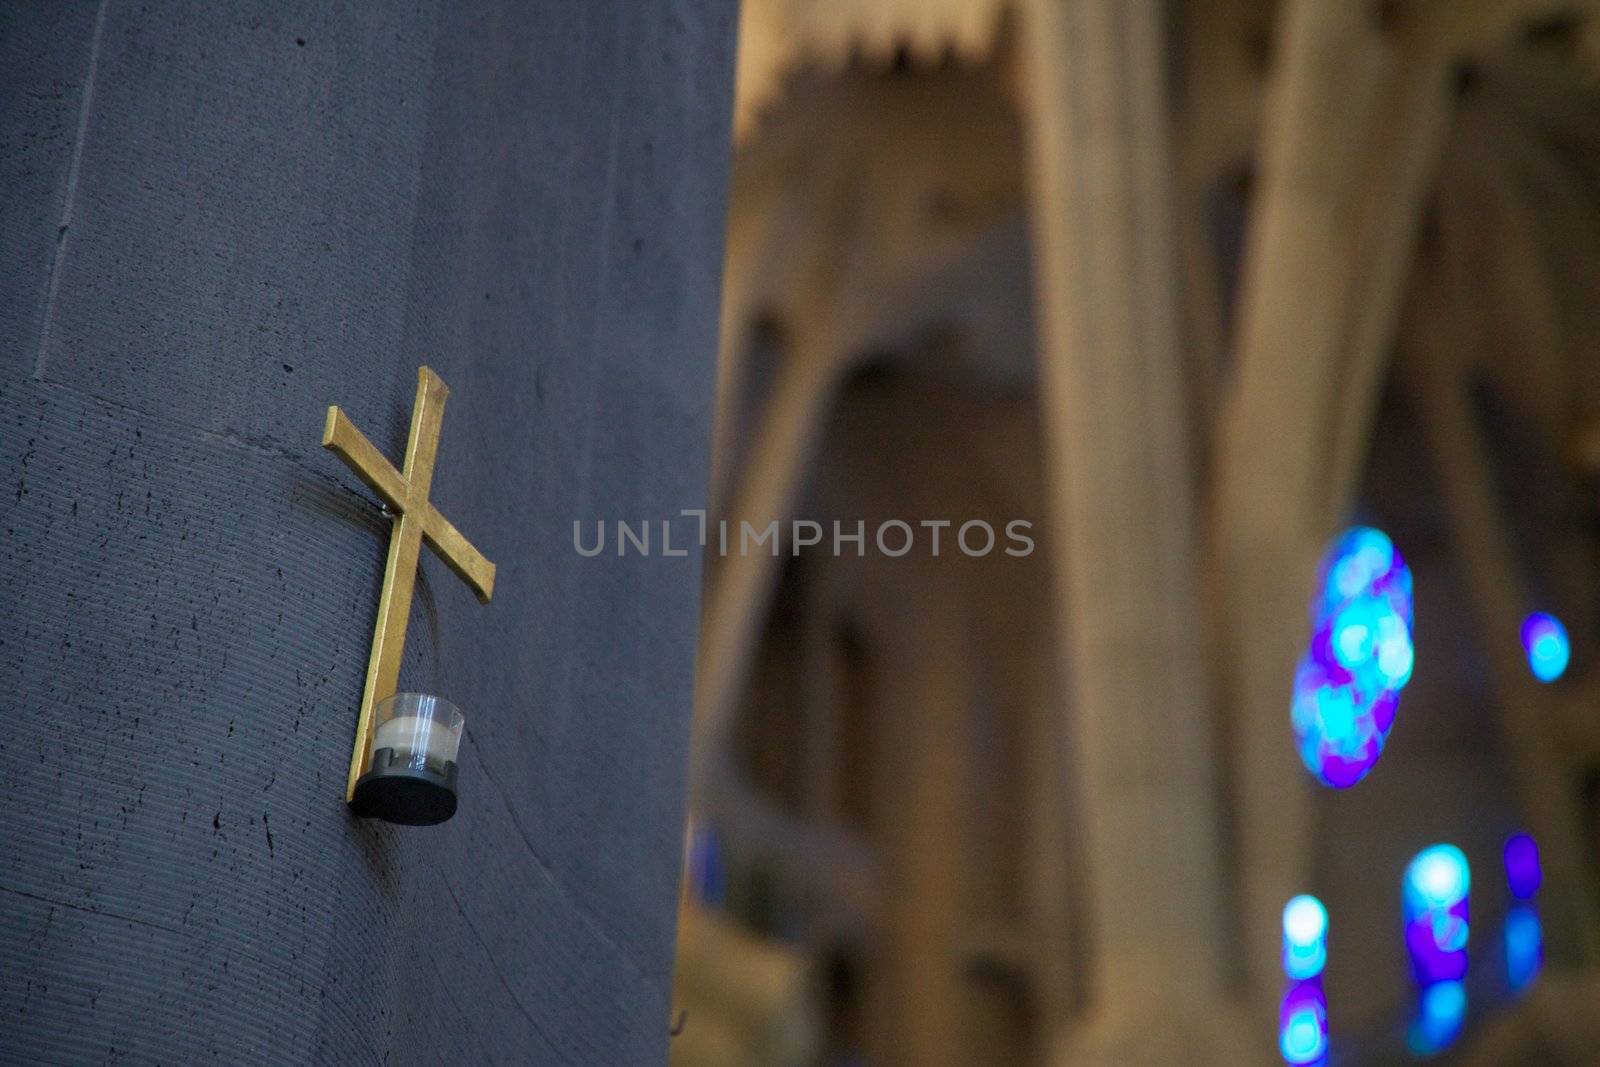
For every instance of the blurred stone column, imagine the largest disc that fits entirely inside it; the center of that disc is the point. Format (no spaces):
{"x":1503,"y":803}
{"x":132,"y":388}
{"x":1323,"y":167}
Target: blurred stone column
{"x":922,"y":797}
{"x":1124,"y":532}
{"x":1356,"y":110}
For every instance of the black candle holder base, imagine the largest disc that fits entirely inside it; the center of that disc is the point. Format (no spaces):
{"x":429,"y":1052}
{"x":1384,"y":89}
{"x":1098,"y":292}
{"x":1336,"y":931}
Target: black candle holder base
{"x":408,"y":793}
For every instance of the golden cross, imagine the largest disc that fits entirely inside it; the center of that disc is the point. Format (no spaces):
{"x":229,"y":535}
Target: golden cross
{"x":415,"y":520}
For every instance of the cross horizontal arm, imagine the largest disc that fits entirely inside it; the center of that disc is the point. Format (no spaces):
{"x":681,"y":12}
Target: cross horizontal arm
{"x":340,"y":435}
{"x":457,"y":552}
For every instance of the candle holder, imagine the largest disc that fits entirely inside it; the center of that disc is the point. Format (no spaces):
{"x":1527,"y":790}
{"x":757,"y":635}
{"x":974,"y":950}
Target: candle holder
{"x":411,"y":779}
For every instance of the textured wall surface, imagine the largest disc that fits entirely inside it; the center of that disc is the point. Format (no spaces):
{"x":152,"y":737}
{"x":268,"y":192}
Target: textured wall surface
{"x":216,"y":220}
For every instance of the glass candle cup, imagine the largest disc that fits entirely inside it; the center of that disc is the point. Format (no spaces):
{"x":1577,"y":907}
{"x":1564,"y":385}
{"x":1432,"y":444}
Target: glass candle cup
{"x":422,"y":731}
{"x":411,"y":778}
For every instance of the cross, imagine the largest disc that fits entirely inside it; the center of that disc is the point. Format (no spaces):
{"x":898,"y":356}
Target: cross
{"x":415,"y":520}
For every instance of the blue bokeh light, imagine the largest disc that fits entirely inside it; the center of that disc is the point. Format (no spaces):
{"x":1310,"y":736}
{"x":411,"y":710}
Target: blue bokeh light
{"x":1545,"y":641}
{"x":1363,"y":561}
{"x":1524,"y":933}
{"x":1441,"y":1011}
{"x":1347,"y":686}
{"x":1438,"y":877}
{"x":1305,"y":937}
{"x":1524,"y":946}
{"x":1436,"y":890}
{"x":1303,"y":1024}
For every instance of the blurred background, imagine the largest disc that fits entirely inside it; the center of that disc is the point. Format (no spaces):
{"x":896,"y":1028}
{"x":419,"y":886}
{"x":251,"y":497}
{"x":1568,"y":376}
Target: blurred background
{"x":1190,"y":289}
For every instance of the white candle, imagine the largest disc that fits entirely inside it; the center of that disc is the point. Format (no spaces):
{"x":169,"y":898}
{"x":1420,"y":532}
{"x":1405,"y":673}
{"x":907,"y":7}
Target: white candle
{"x":412,"y":734}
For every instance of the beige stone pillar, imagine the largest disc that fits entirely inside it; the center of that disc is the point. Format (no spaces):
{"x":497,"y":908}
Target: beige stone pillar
{"x":1123,"y":532}
{"x":919,"y":804}
{"x":1355,"y":114}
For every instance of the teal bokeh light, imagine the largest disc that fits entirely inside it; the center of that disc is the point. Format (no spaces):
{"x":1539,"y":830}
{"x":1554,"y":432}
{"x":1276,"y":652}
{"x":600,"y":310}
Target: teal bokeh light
{"x":1545,"y":641}
{"x":1305,"y":937}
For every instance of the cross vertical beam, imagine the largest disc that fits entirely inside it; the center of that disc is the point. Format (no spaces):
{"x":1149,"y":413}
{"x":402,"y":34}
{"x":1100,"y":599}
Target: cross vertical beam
{"x":405,"y":492}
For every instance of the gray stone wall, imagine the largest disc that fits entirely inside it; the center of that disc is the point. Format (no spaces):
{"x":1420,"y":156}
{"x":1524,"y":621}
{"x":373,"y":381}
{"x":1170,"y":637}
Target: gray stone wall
{"x":216,"y":220}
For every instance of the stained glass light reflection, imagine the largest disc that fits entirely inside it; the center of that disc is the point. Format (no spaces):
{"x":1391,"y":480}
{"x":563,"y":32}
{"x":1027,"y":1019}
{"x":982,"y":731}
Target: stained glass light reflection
{"x":1545,"y":641}
{"x":1524,"y":946}
{"x":1441,"y":1011}
{"x":1303,"y":1024}
{"x":1523,"y":873}
{"x":1363,"y":562}
{"x":1524,"y":934}
{"x":1434,"y":903}
{"x":1305,"y":937}
{"x":1347,"y":686}
{"x":1435,"y":907}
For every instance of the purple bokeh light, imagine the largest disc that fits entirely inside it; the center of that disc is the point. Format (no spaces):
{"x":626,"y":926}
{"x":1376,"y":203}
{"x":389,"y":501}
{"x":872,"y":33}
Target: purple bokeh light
{"x":1435,"y":907}
{"x":1347,"y":686}
{"x":1303,"y":1024}
{"x":1549,"y":649}
{"x":1523,"y":872}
